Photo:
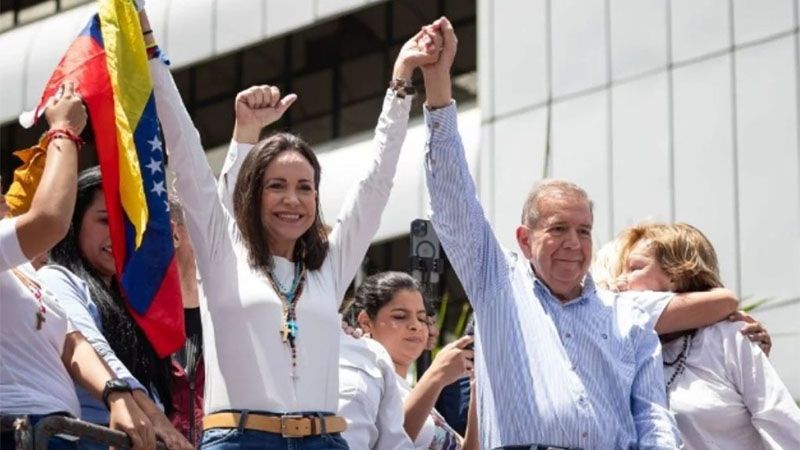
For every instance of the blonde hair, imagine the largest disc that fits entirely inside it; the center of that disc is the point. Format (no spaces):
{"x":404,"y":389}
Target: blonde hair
{"x":684,"y":253}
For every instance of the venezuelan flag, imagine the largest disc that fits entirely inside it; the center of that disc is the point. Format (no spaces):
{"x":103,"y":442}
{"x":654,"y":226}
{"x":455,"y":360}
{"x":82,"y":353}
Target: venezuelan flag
{"x":109,"y":62}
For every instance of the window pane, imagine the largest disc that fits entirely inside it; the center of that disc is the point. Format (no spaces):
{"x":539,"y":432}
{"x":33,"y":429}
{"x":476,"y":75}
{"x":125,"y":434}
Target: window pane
{"x":580,"y":153}
{"x":579,"y":45}
{"x":641,"y":176}
{"x":638,"y":36}
{"x":704,"y":187}
{"x":755,"y":20}
{"x":769,"y":194}
{"x":519,"y":29}
{"x":699,"y":27}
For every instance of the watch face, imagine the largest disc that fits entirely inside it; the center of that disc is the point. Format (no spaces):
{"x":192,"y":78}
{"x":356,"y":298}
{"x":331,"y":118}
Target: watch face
{"x":118,"y":385}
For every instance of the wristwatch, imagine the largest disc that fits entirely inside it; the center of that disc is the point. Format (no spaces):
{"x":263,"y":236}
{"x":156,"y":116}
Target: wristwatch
{"x":115,"y":385}
{"x":402,"y":87}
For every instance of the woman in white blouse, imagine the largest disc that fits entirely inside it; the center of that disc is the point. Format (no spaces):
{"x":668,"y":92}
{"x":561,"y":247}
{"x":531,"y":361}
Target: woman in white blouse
{"x":42,"y":351}
{"x":392,"y":312}
{"x":722,"y":388}
{"x":272,"y":279}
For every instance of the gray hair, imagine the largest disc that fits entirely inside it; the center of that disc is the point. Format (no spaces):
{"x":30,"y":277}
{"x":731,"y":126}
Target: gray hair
{"x":551,"y":187}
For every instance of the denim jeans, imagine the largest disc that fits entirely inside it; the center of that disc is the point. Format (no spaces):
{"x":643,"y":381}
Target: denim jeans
{"x":54,"y":443}
{"x":234,"y":438}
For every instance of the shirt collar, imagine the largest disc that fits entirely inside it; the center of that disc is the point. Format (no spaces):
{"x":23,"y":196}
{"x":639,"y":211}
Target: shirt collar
{"x":588,"y":289}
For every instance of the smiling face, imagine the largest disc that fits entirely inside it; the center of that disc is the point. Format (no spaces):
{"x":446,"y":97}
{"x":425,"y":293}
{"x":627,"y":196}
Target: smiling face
{"x":401,"y":326}
{"x":94,"y":240}
{"x":288,"y":201}
{"x":559,"y":243}
{"x":642,"y":272}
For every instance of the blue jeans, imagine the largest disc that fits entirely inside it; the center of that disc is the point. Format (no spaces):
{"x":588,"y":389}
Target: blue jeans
{"x":233,"y":438}
{"x":54,"y":443}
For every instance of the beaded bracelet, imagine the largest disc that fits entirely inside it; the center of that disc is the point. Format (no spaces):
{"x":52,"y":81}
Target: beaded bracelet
{"x":63,"y":133}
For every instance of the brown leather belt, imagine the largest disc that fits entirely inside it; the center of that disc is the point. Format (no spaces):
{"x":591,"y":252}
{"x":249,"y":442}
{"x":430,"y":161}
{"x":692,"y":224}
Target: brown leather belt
{"x":289,"y":425}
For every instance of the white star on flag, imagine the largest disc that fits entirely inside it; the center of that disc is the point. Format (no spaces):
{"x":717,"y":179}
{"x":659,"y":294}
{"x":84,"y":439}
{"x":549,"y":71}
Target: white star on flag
{"x":155,"y":144}
{"x":154,"y":166}
{"x":158,"y":188}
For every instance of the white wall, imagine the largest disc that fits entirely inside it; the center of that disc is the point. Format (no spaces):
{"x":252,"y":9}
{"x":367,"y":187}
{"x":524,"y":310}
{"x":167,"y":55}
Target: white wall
{"x":657,"y":118}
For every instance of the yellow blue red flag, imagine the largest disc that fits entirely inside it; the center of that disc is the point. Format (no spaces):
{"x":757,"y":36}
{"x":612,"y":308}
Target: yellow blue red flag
{"x":108,"y":60}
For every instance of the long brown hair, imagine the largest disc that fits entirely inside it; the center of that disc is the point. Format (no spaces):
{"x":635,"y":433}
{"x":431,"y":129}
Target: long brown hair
{"x":124,"y":336}
{"x":312,"y":246}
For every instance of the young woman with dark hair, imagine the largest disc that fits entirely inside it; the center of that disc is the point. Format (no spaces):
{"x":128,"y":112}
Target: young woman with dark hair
{"x":82,"y":276}
{"x":391,"y":311}
{"x":369,"y":395}
{"x":42,"y":351}
{"x":272,"y":281}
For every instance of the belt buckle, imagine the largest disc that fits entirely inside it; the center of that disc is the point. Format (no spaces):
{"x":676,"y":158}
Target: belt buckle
{"x":290,"y":433}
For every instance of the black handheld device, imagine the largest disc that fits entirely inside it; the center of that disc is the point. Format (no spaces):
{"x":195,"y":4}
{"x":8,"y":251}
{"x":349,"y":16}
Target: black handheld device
{"x":425,"y":259}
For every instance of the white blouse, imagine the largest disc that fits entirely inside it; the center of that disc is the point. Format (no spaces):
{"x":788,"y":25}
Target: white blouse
{"x":33,"y":379}
{"x":248,"y":366}
{"x":729,"y":396}
{"x":369,"y":397}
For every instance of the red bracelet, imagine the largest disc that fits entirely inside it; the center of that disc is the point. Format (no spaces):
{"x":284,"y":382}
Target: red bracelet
{"x":63,"y":133}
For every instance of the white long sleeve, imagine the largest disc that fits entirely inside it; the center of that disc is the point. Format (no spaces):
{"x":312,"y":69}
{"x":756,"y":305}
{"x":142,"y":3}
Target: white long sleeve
{"x":369,"y":397}
{"x":248,"y":366}
{"x":773,"y":412}
{"x":728,"y":395}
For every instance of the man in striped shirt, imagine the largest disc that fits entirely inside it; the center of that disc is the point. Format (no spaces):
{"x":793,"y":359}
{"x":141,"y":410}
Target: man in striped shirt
{"x":558,"y":362}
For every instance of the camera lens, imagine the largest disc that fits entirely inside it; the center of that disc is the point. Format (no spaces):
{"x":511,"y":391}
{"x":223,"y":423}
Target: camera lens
{"x":419,"y":229}
{"x":425,"y":249}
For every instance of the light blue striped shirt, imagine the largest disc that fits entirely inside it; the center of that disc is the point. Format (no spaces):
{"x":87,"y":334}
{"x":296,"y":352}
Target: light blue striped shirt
{"x":586,"y":373}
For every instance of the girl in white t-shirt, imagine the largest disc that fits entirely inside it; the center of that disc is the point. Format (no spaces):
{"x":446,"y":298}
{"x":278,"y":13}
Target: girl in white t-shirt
{"x":392,"y":311}
{"x":41,"y":350}
{"x":722,"y":388}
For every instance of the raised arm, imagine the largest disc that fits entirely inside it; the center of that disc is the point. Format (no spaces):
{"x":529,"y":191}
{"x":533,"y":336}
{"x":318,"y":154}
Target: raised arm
{"x":458,"y":217}
{"x":360,"y":215}
{"x":48,"y":219}
{"x":206,"y":219}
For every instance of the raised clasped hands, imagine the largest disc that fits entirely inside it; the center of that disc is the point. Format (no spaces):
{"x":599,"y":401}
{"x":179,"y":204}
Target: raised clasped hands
{"x":436,"y":74}
{"x":423,"y":49}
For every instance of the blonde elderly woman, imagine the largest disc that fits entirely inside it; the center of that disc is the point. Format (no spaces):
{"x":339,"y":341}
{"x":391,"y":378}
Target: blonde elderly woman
{"x":721,"y":386}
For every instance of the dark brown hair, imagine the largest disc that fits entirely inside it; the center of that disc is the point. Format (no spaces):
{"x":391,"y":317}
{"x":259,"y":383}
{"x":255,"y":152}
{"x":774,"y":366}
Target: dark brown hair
{"x":312,"y":246}
{"x":125,"y":337}
{"x":378,"y":290}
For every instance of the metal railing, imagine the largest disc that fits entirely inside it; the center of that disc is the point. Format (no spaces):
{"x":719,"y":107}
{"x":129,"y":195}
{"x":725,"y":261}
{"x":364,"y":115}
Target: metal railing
{"x":37,"y":437}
